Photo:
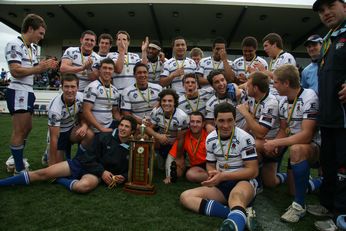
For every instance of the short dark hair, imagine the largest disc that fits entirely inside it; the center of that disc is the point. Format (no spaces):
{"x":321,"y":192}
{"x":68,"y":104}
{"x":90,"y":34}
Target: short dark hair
{"x":219,"y":40}
{"x":139,"y":64}
{"x":171,"y":92}
{"x":107,"y":61}
{"x":122,"y":32}
{"x":212,"y":74}
{"x":132,"y":121}
{"x":260,"y":80}
{"x":105,"y":36}
{"x":189,"y":75}
{"x":88,"y":32}
{"x":197,"y":113}
{"x":274,"y":38}
{"x":34,"y":21}
{"x":177,"y":38}
{"x":69,"y":77}
{"x":249,"y":41}
{"x":223,"y":108}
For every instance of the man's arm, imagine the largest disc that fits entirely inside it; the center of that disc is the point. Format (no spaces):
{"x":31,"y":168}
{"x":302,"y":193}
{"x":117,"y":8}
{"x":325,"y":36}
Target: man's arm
{"x":18,"y":71}
{"x":54,"y":132}
{"x":229,"y":73}
{"x":167,"y":80}
{"x":90,"y":118}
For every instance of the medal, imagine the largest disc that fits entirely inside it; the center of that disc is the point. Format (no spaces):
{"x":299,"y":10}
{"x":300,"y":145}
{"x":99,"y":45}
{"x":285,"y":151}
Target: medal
{"x":288,"y":131}
{"x":84,"y":73}
{"x":225,"y":166}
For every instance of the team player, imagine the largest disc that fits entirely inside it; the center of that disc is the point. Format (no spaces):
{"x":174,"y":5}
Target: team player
{"x":194,"y":99}
{"x":232,"y":167}
{"x":175,"y":68}
{"x":21,"y":56}
{"x":196,"y":54}
{"x":101,"y":100}
{"x":224,"y":92}
{"x":244,"y":66}
{"x":105,"y":42}
{"x":139,"y":99}
{"x":65,"y":123}
{"x":298,"y":111}
{"x":80,"y":60}
{"x":124,"y":61}
{"x":194,"y":146}
{"x":106,"y":160}
{"x":168,"y":124}
{"x":218,"y":61}
{"x":155,"y":65}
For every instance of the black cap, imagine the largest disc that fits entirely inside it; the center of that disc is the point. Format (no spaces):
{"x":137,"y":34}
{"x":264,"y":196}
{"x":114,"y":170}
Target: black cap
{"x":313,"y":39}
{"x":319,"y":3}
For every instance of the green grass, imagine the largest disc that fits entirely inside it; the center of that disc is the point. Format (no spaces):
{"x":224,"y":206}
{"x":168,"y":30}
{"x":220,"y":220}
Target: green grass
{"x":45,"y":206}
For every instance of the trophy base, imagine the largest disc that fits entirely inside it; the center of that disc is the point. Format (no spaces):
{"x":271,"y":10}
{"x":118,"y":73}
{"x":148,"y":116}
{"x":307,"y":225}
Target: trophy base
{"x":140,"y":189}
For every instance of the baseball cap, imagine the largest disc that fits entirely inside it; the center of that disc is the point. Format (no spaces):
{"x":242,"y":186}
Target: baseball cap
{"x":313,"y":39}
{"x":316,"y":6}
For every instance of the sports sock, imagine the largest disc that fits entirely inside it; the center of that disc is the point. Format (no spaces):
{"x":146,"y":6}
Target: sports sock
{"x":67,"y":183}
{"x":17,"y":153}
{"x":301,"y":172}
{"x":238,"y":215}
{"x":282,"y":176}
{"x":314,"y":184}
{"x":21,"y":179}
{"x":213,"y":208}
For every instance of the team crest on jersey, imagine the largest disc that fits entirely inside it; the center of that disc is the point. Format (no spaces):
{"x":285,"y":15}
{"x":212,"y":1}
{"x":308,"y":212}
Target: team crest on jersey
{"x":270,"y":110}
{"x":187,"y":106}
{"x":101,"y":91}
{"x":135,"y":95}
{"x":63,"y":114}
{"x":214,"y":146}
{"x":209,"y":62}
{"x":75,"y":56}
{"x":13,"y":52}
{"x":151,"y":92}
{"x":21,"y":99}
{"x":88,"y":94}
{"x":174,"y":64}
{"x":240,"y":64}
{"x":298,"y":107}
{"x":53,"y":119}
{"x":234,"y":145}
{"x":339,"y":45}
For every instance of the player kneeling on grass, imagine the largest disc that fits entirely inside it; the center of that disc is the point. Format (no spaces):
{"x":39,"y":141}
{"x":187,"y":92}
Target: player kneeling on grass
{"x":194,"y":146}
{"x":232,"y":167}
{"x":106,"y":160}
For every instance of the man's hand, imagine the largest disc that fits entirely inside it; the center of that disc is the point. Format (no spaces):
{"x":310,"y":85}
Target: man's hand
{"x":145,"y":44}
{"x":242,"y":78}
{"x":163,"y":139}
{"x":88,"y":64}
{"x":271,"y":148}
{"x":47,"y":64}
{"x":179,"y":72}
{"x":82,"y":131}
{"x":167,"y":180}
{"x":223,"y":54}
{"x":243,"y":108}
{"x":107,"y":177}
{"x":342,"y":93}
{"x":214,"y":178}
{"x":259,"y":66}
{"x":121,"y":47}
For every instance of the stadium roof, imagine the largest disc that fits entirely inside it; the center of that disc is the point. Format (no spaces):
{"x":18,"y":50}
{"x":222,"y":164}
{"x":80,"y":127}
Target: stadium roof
{"x":199,"y":21}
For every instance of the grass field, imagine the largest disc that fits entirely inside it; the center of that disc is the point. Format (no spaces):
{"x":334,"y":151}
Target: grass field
{"x":46,"y":206}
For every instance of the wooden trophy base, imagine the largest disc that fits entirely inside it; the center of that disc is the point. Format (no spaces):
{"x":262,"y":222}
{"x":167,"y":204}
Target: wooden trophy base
{"x":139,"y":189}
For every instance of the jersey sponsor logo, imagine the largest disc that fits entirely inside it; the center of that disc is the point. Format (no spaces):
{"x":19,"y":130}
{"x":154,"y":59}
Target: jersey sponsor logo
{"x":248,"y":141}
{"x":270,"y":111}
{"x":13,"y":52}
{"x":53,"y":119}
{"x":250,"y":151}
{"x":339,"y":45}
{"x":267,"y":119}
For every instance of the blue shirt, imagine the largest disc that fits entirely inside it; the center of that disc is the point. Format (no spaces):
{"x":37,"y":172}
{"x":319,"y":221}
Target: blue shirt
{"x":309,"y":77}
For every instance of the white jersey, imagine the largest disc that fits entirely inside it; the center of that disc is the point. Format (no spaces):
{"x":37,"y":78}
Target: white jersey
{"x":169,"y":126}
{"x":267,"y":114}
{"x":172,"y":65}
{"x":74,"y":54}
{"x":140,"y":102}
{"x":104,"y":99}
{"x":17,"y":52}
{"x":126,"y":77}
{"x":306,"y":108}
{"x":242,"y":148}
{"x":214,"y":100}
{"x":196,"y":104}
{"x":206,"y":65}
{"x":240,"y":65}
{"x":61,"y":116}
{"x":155,"y":70}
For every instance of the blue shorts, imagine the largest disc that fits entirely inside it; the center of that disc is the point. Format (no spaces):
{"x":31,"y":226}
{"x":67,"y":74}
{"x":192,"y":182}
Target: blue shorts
{"x":20,"y":101}
{"x":76,"y":169}
{"x":227,"y":186}
{"x":64,"y":142}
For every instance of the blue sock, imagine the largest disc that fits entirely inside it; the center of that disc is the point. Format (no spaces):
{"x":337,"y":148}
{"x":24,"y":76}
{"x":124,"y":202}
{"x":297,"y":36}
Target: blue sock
{"x":21,"y":179}
{"x":17,"y":153}
{"x":213,"y":208}
{"x":341,"y":222}
{"x":301,"y":172}
{"x":282,"y":176}
{"x":67,"y":183}
{"x":314,"y":184}
{"x":237,"y":215}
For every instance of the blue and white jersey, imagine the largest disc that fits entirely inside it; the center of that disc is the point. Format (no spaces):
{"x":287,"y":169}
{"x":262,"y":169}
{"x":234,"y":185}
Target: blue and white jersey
{"x":306,"y":108}
{"x":17,"y":52}
{"x":172,"y":65}
{"x":206,"y":65}
{"x":126,"y":77}
{"x":61,"y":116}
{"x":240,"y":65}
{"x":155,"y":70}
{"x":140,"y":102}
{"x":104,"y":99}
{"x":74,"y":54}
{"x":197,"y":103}
{"x":214,"y":100}
{"x":267,"y":114}
{"x":170,"y":126}
{"x":242,"y":148}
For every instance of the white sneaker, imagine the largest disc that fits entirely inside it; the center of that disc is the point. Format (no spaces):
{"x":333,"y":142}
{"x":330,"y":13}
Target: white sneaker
{"x":327,"y":225}
{"x":293,"y":213}
{"x":251,"y":222}
{"x":318,"y":210}
{"x":11,"y":166}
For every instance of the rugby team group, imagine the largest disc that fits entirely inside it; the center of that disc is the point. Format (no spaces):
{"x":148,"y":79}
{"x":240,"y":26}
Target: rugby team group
{"x":224,"y":124}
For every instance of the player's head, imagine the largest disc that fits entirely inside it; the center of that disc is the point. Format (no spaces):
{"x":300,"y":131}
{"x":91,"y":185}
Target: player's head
{"x":313,"y":46}
{"x":225,"y":115}
{"x":140,"y":71}
{"x":285,"y":78}
{"x":196,"y":122}
{"x":196,"y":54}
{"x":127,"y":127}
{"x":272,"y":42}
{"x":154,"y":49}
{"x":122,"y":37}
{"x":107,"y":67}
{"x":219,"y":44}
{"x":249,"y":46}
{"x":69,"y":86}
{"x":190,"y":83}
{"x":105,"y":42}
{"x":88,"y":40}
{"x":179,"y":46}
{"x":332,"y":12}
{"x":35,"y":28}
{"x":218,"y":81}
{"x":169,"y":100}
{"x":258,"y":82}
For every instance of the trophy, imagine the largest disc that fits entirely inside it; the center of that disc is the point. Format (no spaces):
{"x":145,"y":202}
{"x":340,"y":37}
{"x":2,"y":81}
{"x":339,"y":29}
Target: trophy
{"x":141,"y":164}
